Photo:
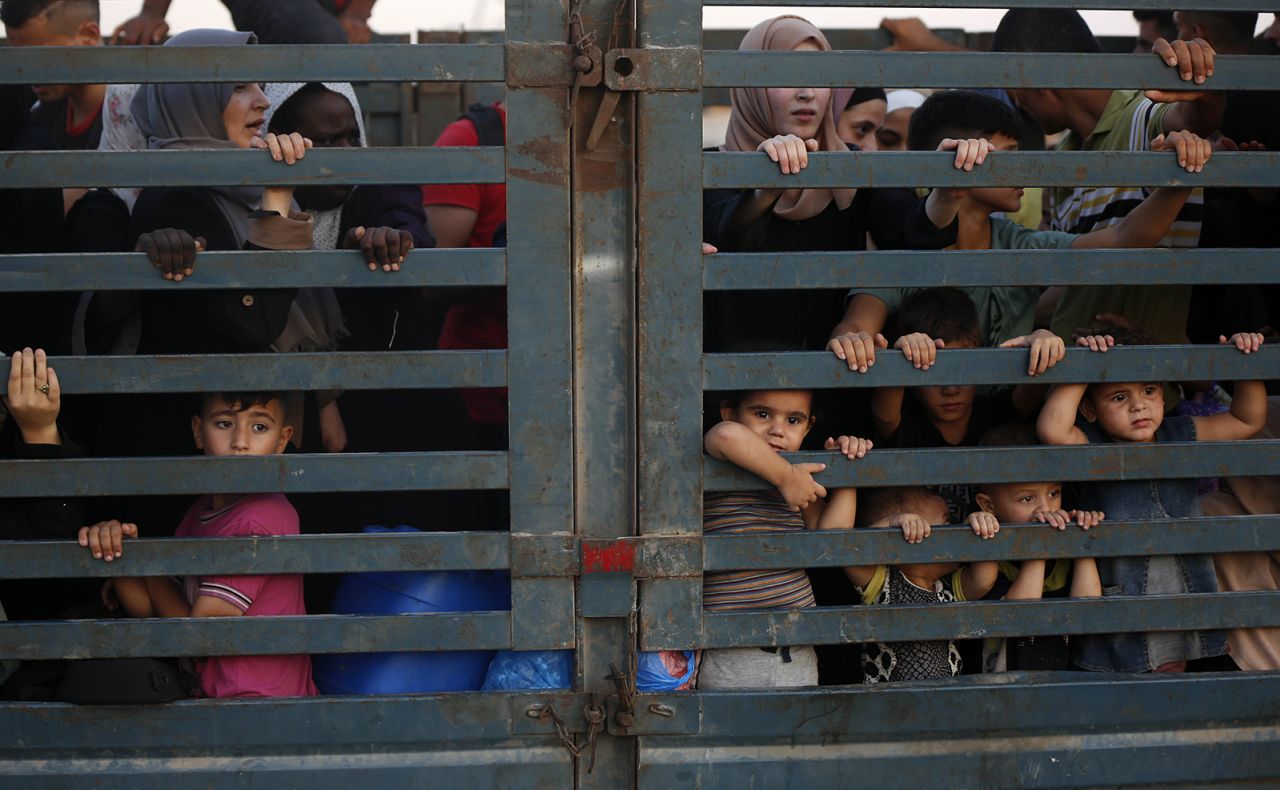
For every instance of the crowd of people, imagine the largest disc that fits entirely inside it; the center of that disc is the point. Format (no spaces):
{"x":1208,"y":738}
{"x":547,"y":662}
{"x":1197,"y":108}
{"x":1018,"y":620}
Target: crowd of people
{"x":174,"y":225}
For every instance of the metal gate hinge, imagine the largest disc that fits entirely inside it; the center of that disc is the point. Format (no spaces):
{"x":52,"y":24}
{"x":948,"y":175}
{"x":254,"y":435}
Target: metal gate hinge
{"x":653,"y":69}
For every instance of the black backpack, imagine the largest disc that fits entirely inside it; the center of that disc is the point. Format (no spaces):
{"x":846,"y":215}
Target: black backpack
{"x":488,"y":122}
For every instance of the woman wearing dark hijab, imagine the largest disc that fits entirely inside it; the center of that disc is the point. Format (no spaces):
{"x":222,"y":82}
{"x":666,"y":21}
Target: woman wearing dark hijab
{"x":180,"y":321}
{"x":787,"y":124}
{"x":174,"y":116}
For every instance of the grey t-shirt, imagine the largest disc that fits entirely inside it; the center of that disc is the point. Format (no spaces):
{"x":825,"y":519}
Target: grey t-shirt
{"x":1004,"y":312}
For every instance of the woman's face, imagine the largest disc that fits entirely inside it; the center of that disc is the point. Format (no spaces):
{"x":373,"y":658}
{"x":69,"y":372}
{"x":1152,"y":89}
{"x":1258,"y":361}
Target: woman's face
{"x":329,"y":121}
{"x":892,"y":135}
{"x":799,"y":111}
{"x":858,"y":124}
{"x":244,"y":117}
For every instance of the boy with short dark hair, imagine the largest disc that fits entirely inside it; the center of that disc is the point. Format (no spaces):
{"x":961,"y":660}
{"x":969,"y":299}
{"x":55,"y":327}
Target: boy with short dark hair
{"x":1025,"y":503}
{"x":949,"y":415}
{"x":230,"y":424}
{"x":1006,"y":314}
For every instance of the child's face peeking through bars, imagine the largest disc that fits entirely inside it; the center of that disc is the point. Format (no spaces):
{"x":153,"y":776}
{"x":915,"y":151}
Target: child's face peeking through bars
{"x":781,"y":417}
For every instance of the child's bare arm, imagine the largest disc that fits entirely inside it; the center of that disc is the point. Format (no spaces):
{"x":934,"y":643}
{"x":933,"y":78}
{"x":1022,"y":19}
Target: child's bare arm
{"x":166,"y":598}
{"x":1029,"y":584}
{"x":1085,"y":582}
{"x":841,"y":506}
{"x":840,"y":511}
{"x":977,"y":579}
{"x":886,"y":410}
{"x":132,"y":594}
{"x":1057,"y":422}
{"x":734,"y":442}
{"x":167,"y":601}
{"x":1248,"y":404}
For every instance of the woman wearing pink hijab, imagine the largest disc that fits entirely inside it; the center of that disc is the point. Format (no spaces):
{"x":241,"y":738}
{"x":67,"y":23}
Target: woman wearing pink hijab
{"x":787,"y":124}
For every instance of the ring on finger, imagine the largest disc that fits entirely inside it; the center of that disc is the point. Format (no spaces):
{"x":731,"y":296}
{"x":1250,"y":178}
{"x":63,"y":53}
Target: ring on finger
{"x":43,"y":388}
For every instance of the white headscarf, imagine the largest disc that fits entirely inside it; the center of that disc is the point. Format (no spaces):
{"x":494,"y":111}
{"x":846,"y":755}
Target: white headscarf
{"x":315,"y":319}
{"x":327,"y":223}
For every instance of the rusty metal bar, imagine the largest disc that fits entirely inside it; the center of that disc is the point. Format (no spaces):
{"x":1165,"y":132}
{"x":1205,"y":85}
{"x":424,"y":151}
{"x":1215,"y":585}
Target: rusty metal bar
{"x":252,"y":636}
{"x":132,"y":271}
{"x":745,"y":271}
{"x":1016,"y":168}
{"x":1124,"y":614}
{"x":299,"y":371}
{"x":820,"y":369}
{"x":351,"y":166}
{"x":1013,"y":542}
{"x":275,"y":63}
{"x":838,"y":68}
{"x":389,"y":551}
{"x":1019,"y":464}
{"x":197,"y":475}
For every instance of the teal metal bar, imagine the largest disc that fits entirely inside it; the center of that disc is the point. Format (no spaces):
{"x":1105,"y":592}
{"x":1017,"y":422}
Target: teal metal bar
{"x":1016,"y":169}
{"x":197,"y":475}
{"x":540,"y":306}
{"x":354,"y":166}
{"x":745,"y":271}
{"x":838,"y":625}
{"x":727,"y":69}
{"x":669,"y":312}
{"x":934,"y":466}
{"x":389,"y":551}
{"x":838,"y":548}
{"x":250,"y":636}
{"x":820,"y":369}
{"x":274,"y":63}
{"x":132,"y":271}
{"x":301,"y":371}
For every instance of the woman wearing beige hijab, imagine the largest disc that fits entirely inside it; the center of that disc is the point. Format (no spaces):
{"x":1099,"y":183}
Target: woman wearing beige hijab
{"x":787,"y":124}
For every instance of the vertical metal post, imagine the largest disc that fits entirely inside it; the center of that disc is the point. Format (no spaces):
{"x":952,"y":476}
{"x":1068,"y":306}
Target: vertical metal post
{"x":539,"y":367}
{"x":604,"y":391}
{"x":669,"y":205}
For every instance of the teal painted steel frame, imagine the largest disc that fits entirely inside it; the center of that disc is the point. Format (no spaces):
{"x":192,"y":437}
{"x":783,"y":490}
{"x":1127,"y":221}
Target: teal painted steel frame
{"x":1073,"y":730}
{"x":1225,"y":731}
{"x":508,"y":744}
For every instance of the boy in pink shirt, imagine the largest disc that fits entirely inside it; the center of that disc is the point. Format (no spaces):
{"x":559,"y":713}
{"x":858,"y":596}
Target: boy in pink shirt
{"x":228,"y":424}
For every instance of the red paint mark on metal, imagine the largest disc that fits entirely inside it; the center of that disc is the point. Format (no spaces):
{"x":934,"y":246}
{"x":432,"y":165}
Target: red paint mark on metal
{"x":609,"y":557}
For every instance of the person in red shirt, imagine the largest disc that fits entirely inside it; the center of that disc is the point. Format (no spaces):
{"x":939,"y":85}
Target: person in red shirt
{"x":472,"y":215}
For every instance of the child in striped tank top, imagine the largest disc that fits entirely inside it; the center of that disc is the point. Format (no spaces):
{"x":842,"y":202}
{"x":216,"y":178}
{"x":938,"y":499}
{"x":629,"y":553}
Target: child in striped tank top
{"x":755,"y":428}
